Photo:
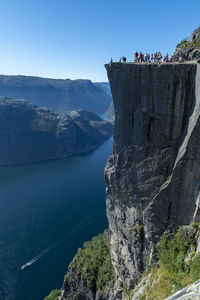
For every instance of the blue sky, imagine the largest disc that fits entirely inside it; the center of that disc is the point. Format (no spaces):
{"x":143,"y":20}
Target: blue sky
{"x":74,"y":38}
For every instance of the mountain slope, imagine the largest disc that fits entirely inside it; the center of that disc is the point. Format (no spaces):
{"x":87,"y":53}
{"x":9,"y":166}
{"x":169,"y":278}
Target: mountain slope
{"x":29,"y":133}
{"x":189,"y":47}
{"x":57,"y":94}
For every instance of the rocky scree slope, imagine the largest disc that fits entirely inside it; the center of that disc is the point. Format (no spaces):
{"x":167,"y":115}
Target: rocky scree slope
{"x":189,"y":47}
{"x":29,"y":133}
{"x":153,"y":176}
{"x":61,"y":95}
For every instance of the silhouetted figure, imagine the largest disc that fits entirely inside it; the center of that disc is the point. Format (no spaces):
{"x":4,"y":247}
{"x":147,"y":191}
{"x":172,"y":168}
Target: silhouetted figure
{"x":124,"y":59}
{"x":136,"y":56}
{"x":141,"y":57}
{"x":166,"y":58}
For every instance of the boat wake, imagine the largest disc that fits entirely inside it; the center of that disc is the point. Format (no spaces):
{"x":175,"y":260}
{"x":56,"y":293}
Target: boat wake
{"x":82,"y":225}
{"x":33,"y":260}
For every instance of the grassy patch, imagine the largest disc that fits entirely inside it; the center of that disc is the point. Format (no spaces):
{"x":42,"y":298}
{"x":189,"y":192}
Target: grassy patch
{"x":53,"y":295}
{"x":93,"y":262}
{"x":128,"y":293}
{"x":173,"y":272}
{"x":189,"y":45}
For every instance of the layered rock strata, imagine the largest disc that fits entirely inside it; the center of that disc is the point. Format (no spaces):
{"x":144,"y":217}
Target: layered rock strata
{"x":153,"y":176}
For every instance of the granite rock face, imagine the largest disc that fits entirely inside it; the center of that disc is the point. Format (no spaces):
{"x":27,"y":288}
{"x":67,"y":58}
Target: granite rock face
{"x":190,"y":48}
{"x":188,"y":293}
{"x":29,"y":133}
{"x":153,"y":176}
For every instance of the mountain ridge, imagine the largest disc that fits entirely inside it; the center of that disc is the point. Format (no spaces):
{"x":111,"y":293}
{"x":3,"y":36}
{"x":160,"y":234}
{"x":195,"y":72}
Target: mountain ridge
{"x":61,"y":95}
{"x":31,"y":133}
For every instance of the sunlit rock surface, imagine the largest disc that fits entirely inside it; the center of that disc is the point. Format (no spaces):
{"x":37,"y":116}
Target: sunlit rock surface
{"x":153,"y":176}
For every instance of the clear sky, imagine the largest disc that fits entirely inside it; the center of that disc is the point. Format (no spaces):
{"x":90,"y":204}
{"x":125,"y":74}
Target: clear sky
{"x":74,"y":38}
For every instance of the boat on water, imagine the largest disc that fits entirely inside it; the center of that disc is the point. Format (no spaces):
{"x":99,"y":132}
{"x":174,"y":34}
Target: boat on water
{"x":25,"y":266}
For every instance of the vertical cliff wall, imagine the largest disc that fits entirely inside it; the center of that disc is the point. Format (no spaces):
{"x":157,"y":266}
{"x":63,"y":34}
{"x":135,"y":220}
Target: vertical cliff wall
{"x":153,"y":176}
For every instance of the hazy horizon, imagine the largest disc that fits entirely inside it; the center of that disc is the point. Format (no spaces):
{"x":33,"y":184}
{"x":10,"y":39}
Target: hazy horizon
{"x":58,"y":78}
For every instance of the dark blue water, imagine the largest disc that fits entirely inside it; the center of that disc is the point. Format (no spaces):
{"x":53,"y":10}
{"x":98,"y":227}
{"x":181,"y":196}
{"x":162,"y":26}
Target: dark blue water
{"x":47,"y":211}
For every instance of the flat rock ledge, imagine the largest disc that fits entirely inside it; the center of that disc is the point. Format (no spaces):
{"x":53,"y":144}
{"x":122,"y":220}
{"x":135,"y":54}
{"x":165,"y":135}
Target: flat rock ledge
{"x":190,"y":292}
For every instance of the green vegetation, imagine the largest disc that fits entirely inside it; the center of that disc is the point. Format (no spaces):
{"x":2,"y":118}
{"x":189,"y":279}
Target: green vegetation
{"x":128,"y":293}
{"x":172,"y":252}
{"x":53,"y":295}
{"x":189,"y":45}
{"x":194,"y":224}
{"x":193,"y":43}
{"x":197,"y":30}
{"x":183,"y":42}
{"x":93,"y":262}
{"x":137,"y":228}
{"x":173,"y":271}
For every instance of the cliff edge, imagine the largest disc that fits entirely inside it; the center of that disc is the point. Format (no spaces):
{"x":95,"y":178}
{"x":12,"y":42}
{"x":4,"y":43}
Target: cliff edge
{"x":153,"y":176}
{"x":152,"y":189}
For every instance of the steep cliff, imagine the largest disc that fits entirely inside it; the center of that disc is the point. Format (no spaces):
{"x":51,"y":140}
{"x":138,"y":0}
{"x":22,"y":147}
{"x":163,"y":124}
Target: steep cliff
{"x":152,"y":184}
{"x":153,"y":176}
{"x":29,"y":133}
{"x":90,"y":275}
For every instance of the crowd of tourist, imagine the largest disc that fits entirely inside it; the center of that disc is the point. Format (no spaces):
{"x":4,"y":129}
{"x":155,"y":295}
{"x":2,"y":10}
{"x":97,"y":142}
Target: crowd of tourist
{"x":157,"y":57}
{"x":139,"y":57}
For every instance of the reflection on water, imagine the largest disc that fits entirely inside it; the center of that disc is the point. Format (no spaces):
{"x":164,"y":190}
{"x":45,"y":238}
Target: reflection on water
{"x":47,"y":211}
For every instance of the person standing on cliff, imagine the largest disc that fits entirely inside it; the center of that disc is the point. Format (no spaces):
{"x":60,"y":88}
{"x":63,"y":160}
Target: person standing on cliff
{"x":136,"y":56}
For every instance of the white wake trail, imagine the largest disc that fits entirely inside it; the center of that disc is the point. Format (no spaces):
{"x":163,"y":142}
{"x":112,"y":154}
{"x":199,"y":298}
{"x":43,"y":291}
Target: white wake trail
{"x":83,"y":224}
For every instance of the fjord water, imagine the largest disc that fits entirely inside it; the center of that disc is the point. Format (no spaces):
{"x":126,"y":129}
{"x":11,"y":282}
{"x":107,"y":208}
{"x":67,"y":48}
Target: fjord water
{"x":47,"y":211}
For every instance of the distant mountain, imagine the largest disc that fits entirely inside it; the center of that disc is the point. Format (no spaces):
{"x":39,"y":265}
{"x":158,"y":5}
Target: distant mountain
{"x":61,"y":95}
{"x":110,"y":113}
{"x":29,"y":133}
{"x":105,"y":86}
